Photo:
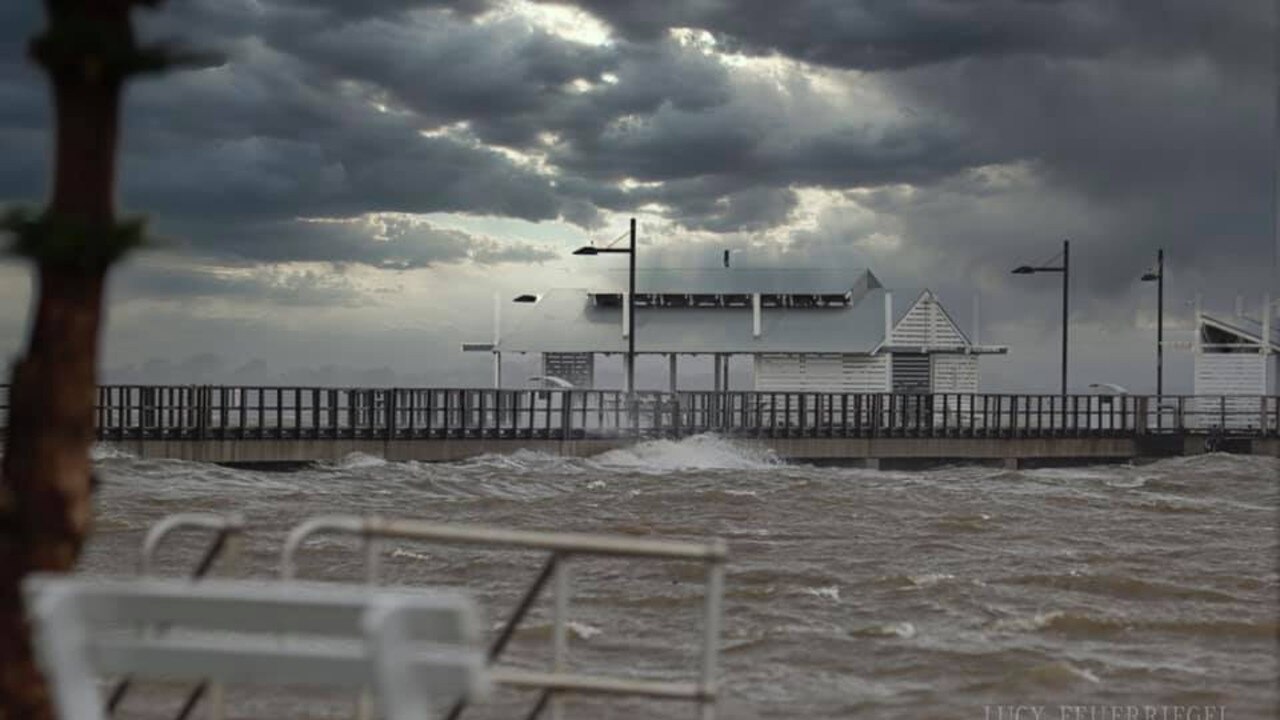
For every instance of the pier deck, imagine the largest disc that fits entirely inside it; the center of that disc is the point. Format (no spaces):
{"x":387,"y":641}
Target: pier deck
{"x":299,"y":424}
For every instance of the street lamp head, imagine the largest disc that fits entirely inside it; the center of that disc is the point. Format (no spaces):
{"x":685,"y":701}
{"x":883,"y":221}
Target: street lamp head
{"x":1023,"y":270}
{"x":526,"y":298}
{"x":1150,"y":277}
{"x":586,"y":250}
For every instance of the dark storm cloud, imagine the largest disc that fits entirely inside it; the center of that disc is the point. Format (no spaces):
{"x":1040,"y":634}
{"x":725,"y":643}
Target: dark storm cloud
{"x":347,"y":9}
{"x":876,"y":35}
{"x":1159,"y":153}
{"x":1150,"y":121}
{"x":720,"y":204}
{"x":266,"y":138}
{"x":1153,"y":122}
{"x":381,"y":166}
{"x":387,"y":243}
{"x":449,"y":71}
{"x":258,"y":287}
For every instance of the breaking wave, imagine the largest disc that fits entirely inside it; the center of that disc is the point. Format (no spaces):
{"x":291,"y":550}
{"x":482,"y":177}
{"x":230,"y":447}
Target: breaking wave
{"x":107,"y":451}
{"x":359,"y":460}
{"x":1083,"y":625}
{"x":700,"y":452}
{"x":903,"y":630}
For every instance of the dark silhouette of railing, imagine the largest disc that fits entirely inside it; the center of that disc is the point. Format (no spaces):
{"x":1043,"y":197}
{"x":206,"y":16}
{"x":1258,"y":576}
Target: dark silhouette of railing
{"x":214,"y":412}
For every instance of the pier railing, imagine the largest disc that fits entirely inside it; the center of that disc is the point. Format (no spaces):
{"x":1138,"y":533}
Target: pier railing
{"x":216,"y":412}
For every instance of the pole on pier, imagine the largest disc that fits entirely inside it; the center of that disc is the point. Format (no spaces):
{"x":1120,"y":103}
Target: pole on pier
{"x":497,"y":337}
{"x":1160,"y":323}
{"x":631,"y":312}
{"x":1066,"y":289}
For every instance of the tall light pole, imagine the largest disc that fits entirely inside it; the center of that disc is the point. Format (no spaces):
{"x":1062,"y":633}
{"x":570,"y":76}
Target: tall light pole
{"x":1158,"y":278}
{"x":631,"y":298}
{"x":1065,"y":269}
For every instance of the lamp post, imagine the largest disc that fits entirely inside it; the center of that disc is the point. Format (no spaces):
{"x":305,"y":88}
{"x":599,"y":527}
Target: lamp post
{"x":1158,"y":278}
{"x":1065,"y":269}
{"x":631,"y":298}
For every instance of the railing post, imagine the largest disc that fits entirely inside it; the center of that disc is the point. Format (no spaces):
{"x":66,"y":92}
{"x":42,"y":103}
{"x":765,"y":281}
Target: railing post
{"x":1275,"y":430}
{"x":204,"y":406}
{"x":566,"y":415}
{"x":1013,"y":416}
{"x":350,"y":396}
{"x":711,"y":637}
{"x":315,"y":412}
{"x":675,"y":415}
{"x":560,"y":629}
{"x":391,"y":409}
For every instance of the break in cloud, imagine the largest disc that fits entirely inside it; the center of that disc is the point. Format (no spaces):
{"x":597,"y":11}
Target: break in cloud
{"x":350,"y":158}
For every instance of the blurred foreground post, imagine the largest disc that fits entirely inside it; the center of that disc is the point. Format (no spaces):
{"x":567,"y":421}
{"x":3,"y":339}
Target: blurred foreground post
{"x":88,"y":51}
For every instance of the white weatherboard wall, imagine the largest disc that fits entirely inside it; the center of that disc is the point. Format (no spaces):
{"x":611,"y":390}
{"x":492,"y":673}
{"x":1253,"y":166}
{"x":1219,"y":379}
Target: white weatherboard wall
{"x":1231,"y":373}
{"x":926,"y":324}
{"x":955,"y":373}
{"x":1236,"y":373}
{"x":822,"y":373}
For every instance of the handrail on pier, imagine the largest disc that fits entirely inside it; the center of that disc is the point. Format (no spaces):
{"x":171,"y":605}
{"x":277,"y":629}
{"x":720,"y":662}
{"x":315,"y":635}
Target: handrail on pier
{"x":217,"y":413}
{"x":560,"y":546}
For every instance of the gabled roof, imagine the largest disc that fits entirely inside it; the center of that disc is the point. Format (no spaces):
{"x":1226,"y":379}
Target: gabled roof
{"x":907,"y":302}
{"x":1247,"y":329}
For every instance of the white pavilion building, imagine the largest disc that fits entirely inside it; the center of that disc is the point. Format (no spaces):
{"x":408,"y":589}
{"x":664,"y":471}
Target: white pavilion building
{"x":1237,"y":354}
{"x":1237,"y":362}
{"x":805,"y":330}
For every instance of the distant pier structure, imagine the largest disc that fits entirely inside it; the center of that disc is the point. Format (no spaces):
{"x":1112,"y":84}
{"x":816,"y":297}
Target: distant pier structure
{"x":805,"y":330}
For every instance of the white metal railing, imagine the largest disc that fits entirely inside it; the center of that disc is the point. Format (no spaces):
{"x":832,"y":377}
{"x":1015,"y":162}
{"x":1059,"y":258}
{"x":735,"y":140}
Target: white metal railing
{"x":561,"y":547}
{"x":416,"y":648}
{"x":227,"y":529}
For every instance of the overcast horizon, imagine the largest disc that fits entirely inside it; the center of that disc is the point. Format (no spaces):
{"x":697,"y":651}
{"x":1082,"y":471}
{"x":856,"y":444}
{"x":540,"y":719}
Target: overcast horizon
{"x":341,"y":197}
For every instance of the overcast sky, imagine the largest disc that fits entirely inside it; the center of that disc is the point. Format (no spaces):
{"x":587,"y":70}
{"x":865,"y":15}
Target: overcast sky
{"x":342,"y":197}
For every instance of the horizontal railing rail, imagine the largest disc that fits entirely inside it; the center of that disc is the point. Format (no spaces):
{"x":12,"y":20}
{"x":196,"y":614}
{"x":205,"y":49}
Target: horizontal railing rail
{"x":562,"y":549}
{"x":217,"y":412}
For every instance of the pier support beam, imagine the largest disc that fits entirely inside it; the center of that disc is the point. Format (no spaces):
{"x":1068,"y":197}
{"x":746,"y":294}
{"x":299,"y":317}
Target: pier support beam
{"x":1012,"y":463}
{"x":871,"y":463}
{"x":671,"y":370}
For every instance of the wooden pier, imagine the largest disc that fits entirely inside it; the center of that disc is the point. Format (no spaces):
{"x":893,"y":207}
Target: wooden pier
{"x":300,"y":424}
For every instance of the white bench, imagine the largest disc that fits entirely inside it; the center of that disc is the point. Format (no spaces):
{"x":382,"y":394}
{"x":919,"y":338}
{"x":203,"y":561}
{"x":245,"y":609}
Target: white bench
{"x":418,"y":650}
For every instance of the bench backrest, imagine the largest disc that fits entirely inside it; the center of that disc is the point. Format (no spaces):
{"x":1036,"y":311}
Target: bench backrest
{"x":419,"y":650}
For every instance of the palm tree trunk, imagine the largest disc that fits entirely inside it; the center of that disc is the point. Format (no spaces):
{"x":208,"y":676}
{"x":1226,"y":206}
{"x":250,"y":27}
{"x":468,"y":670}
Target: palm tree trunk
{"x":45,"y":499}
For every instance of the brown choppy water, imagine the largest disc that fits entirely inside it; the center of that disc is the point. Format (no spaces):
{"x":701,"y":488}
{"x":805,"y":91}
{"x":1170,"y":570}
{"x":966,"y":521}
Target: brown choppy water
{"x":851,"y":593}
